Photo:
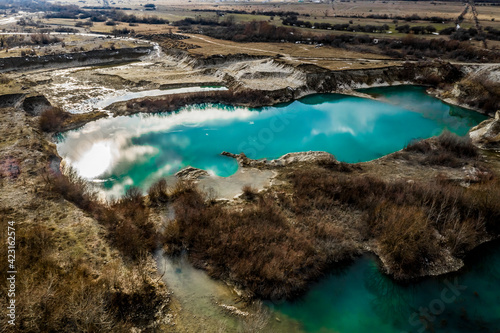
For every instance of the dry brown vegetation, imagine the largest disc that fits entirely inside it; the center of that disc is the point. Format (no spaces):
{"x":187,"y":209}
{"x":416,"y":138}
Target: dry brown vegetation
{"x":158,"y":192}
{"x":52,"y":298}
{"x":256,"y":247}
{"x":58,"y":296}
{"x":126,"y":219}
{"x":447,"y":149}
{"x":72,"y":298}
{"x":481,"y":92}
{"x":51,"y":120}
{"x":57,"y":120}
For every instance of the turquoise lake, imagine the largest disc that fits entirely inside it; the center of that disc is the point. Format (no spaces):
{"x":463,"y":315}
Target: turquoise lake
{"x":361,"y":299}
{"x":138,"y":150}
{"x":357,"y":298}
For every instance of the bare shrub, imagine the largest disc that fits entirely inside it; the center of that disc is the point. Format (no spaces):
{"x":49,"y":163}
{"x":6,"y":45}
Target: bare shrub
{"x":249,"y":193}
{"x":52,"y":119}
{"x":418,"y":146}
{"x":460,"y":146}
{"x":406,"y":238}
{"x":158,"y":192}
{"x":235,"y":243}
{"x":73,"y":188}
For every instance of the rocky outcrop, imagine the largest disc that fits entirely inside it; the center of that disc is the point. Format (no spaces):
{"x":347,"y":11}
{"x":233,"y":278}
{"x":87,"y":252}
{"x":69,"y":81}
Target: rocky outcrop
{"x":487,"y":134}
{"x":170,"y":103}
{"x":95,"y":57}
{"x":191,"y":173}
{"x":322,"y":80}
{"x":287,"y":159}
{"x":11,"y":100}
{"x":35,"y":105}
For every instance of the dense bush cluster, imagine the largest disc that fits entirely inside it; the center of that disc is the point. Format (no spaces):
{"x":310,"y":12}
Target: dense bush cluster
{"x":409,"y":18}
{"x":492,"y":33}
{"x":404,"y":217}
{"x":33,"y":39}
{"x":253,"y":12}
{"x":44,"y":39}
{"x":256,"y":247}
{"x":465,"y":34}
{"x":124,"y":31}
{"x":417,"y":30}
{"x":52,"y":119}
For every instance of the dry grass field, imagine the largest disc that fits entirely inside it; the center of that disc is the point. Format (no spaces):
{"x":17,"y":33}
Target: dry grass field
{"x":328,"y":57}
{"x":175,"y":9}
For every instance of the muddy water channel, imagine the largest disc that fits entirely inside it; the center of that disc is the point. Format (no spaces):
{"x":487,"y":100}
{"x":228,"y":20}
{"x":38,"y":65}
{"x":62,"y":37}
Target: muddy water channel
{"x":138,"y":150}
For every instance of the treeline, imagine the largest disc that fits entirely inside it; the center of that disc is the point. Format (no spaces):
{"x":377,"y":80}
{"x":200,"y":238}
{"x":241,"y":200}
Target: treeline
{"x":101,"y":7}
{"x":200,"y":20}
{"x":124,"y":31}
{"x":417,"y":30}
{"x":409,"y":18}
{"x":253,"y":12}
{"x":103,"y":16}
{"x":407,"y":47}
{"x":294,"y":21}
{"x":35,"y":6}
{"x":492,"y":33}
{"x":413,"y":17}
{"x":33,"y":39}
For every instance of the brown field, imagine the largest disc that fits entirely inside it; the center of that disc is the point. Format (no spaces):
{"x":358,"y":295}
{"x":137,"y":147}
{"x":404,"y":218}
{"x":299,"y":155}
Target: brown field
{"x":328,"y":57}
{"x":175,"y":9}
{"x":67,"y":44}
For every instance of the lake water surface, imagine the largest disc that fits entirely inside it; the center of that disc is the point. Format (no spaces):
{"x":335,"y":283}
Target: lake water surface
{"x":137,"y":150}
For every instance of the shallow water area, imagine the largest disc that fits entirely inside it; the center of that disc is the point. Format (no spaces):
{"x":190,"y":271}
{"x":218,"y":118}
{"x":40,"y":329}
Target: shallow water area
{"x":199,"y":295}
{"x":138,"y":150}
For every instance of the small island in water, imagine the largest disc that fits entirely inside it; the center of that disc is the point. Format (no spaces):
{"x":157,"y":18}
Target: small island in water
{"x":250,"y":166}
